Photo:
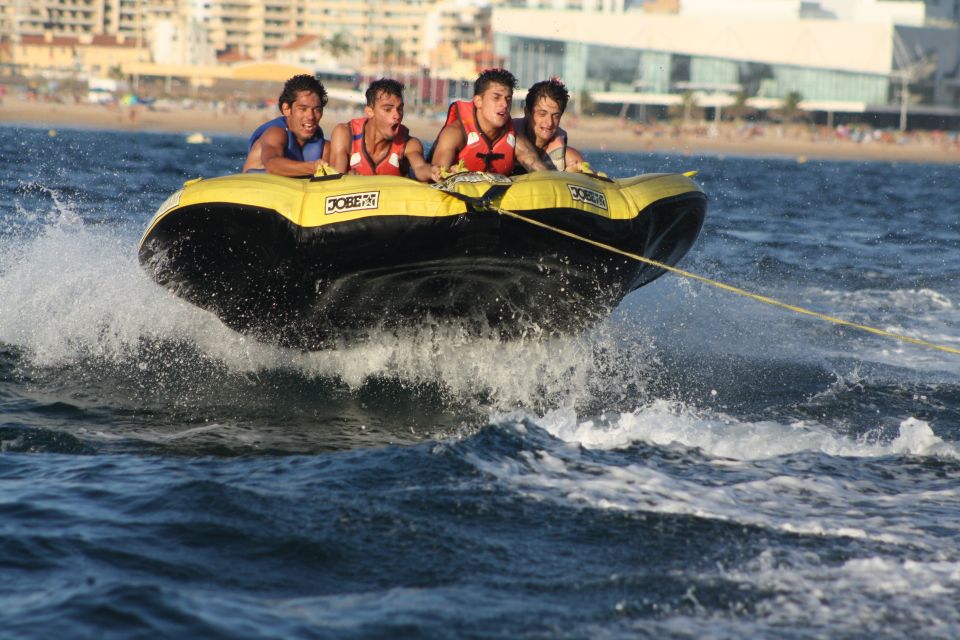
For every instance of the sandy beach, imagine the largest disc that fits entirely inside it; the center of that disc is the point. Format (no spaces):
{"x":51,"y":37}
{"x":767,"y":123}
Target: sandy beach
{"x":803,"y":142}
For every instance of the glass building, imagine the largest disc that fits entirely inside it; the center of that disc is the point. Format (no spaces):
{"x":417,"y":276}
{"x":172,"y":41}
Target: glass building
{"x":636,"y":58}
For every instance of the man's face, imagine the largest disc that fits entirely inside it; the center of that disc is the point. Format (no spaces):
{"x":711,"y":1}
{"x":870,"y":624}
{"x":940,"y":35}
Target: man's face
{"x":544,"y":120}
{"x":386,"y":114}
{"x":303,"y":115}
{"x":493,"y":104}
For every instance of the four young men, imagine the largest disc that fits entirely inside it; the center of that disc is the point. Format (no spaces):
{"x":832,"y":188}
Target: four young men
{"x":478,"y":134}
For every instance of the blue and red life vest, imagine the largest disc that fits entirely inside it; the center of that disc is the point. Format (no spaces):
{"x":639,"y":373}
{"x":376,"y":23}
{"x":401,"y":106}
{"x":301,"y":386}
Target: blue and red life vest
{"x":394,"y":163}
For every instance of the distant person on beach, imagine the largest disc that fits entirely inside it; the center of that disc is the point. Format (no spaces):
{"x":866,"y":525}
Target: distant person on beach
{"x":544,"y":106}
{"x":479,"y":132}
{"x":292,"y":144}
{"x":378,"y":144}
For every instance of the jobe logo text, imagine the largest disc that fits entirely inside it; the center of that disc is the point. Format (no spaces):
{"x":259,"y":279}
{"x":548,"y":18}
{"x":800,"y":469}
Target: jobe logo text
{"x":589,"y":196}
{"x":352,"y":202}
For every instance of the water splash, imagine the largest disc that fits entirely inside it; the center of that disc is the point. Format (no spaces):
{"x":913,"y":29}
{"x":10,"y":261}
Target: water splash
{"x":80,"y":295}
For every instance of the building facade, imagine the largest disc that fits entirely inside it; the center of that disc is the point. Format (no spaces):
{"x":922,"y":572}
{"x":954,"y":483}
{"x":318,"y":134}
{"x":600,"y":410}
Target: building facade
{"x":638,"y":57}
{"x":387,"y":35}
{"x":69,"y":55}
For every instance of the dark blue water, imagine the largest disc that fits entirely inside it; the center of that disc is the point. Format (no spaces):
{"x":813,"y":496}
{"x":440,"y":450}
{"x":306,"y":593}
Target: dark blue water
{"x":700,"y":466}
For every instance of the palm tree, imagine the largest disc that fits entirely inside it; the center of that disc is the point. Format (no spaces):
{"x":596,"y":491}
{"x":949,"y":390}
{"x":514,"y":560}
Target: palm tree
{"x":740,"y":108}
{"x":392,"y":53}
{"x":587,"y":105}
{"x":338,"y":45}
{"x":791,"y":111}
{"x":687,"y":108}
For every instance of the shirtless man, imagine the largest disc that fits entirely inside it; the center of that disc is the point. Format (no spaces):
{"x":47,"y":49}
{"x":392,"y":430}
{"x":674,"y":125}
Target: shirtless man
{"x":292,"y":144}
{"x":480,"y":132}
{"x":545,"y":103}
{"x":379,"y":144}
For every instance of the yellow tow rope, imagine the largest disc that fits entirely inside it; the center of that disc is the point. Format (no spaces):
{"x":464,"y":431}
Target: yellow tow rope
{"x":732,"y":289}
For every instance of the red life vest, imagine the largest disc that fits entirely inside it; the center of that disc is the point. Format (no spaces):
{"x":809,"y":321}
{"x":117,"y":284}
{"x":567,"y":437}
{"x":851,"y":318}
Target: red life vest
{"x":392,"y":164}
{"x":482,"y":154}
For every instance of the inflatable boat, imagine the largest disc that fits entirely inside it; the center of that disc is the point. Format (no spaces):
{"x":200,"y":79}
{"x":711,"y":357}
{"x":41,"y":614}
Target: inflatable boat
{"x":311,"y":262}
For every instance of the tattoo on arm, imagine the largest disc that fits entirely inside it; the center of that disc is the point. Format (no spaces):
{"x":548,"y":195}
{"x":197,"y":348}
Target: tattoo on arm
{"x":527,"y":156}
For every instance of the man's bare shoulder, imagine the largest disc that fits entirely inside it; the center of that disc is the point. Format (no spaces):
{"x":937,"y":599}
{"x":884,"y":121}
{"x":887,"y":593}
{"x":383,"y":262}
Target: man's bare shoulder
{"x":451,"y":134}
{"x":274,"y":135}
{"x":340,"y":136}
{"x":414,"y":145}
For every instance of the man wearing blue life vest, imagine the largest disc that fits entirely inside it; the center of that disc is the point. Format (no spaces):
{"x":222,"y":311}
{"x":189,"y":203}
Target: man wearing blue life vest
{"x":544,"y":106}
{"x":291,"y":144}
{"x":379,"y":144}
{"x":480,"y":132}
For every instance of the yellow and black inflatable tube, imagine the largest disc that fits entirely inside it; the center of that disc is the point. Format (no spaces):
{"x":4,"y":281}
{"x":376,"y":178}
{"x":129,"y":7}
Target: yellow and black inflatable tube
{"x":305,"y":262}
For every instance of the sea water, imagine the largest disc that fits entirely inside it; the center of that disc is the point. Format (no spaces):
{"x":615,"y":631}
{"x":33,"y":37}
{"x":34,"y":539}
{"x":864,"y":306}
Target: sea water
{"x":699,"y":466}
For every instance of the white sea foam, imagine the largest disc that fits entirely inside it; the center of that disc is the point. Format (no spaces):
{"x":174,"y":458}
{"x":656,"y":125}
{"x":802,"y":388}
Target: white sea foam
{"x":665,"y":422}
{"x":871,"y":597}
{"x":922,"y":314}
{"x":918,"y":594}
{"x":765,"y":495}
{"x":905,"y":300}
{"x":76,"y":291}
{"x":506,"y":373}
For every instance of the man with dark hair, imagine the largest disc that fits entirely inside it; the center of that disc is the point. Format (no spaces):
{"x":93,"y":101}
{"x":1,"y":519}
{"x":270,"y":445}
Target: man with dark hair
{"x":379,"y":144}
{"x":480,"y":132}
{"x":545,"y":103}
{"x":291,"y":144}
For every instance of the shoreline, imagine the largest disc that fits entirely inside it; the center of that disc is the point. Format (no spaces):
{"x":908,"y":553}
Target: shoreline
{"x":589,"y":134}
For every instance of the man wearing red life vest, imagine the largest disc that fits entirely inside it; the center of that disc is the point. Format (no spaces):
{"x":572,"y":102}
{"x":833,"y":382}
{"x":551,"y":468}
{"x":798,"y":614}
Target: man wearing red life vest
{"x":292,"y":144}
{"x":379,"y":144}
{"x":544,"y":106}
{"x":480,"y":132}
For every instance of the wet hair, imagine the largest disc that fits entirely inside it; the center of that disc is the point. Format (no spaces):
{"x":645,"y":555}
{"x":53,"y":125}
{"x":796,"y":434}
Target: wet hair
{"x":493,"y":76}
{"x":300,"y":83}
{"x":553,"y":89}
{"x":388,"y":86}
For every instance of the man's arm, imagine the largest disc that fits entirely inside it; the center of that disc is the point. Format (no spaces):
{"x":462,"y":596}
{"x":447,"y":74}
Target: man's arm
{"x":572,"y":159}
{"x":449,"y":143}
{"x":527,"y":156}
{"x":325,"y":156}
{"x":253,"y":158}
{"x":422,"y":170}
{"x":339,"y":157}
{"x":272,"y":144}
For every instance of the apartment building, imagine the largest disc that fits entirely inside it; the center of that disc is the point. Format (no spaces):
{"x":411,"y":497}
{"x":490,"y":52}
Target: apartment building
{"x":129,"y":18}
{"x":36,"y":17}
{"x":403,"y":35}
{"x":395,"y":35}
{"x":94,"y":55}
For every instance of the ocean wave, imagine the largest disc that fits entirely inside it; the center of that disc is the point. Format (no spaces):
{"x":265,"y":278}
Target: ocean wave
{"x":669,"y":460}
